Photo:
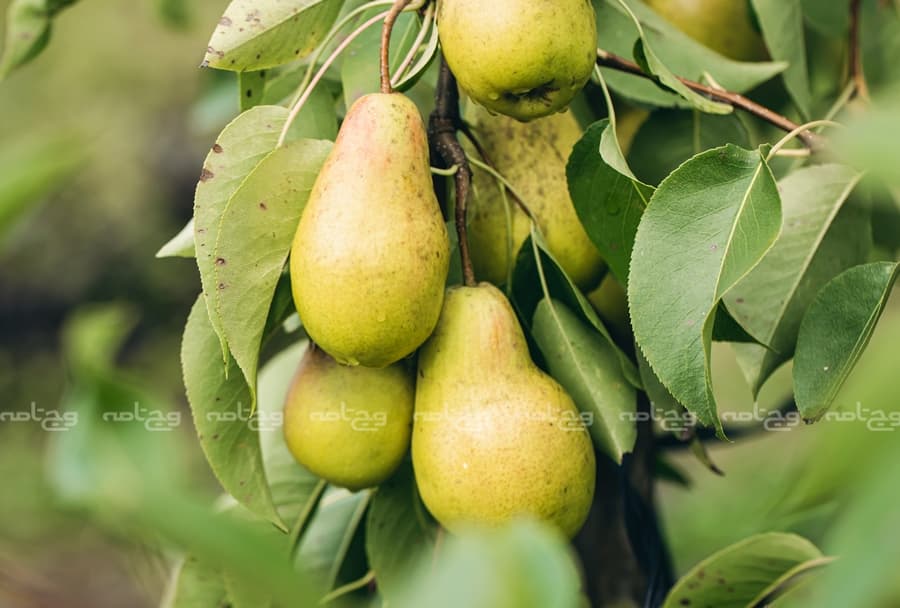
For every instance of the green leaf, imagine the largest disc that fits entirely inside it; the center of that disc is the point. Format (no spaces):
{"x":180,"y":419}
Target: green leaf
{"x":317,"y":119}
{"x":830,"y":18}
{"x":781,"y":22}
{"x":526,"y":293}
{"x":608,"y":202}
{"x":746,"y":573}
{"x":684,"y":56}
{"x":251,"y":87}
{"x":237,"y":151}
{"x":834,"y":332}
{"x":28,"y":24}
{"x":291,"y":485}
{"x":260,"y":34}
{"x":685,"y":134}
{"x":870,"y":141}
{"x":708,"y":224}
{"x":254,"y":239}
{"x":195,"y":585}
{"x":220,"y":404}
{"x":588,"y":368}
{"x":821,"y":237}
{"x":399,"y":534}
{"x":181,"y":245}
{"x":521,"y":565}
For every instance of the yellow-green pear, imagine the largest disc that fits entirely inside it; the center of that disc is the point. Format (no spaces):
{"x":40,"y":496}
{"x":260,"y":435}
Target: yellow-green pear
{"x":522,"y":58}
{"x":494,"y":437}
{"x":348,"y":425}
{"x":532,"y":156}
{"x":725,"y":26}
{"x":371,"y":253}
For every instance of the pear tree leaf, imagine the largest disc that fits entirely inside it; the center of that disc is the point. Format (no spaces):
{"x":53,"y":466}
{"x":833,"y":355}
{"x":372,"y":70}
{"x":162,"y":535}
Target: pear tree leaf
{"x":829,"y":18}
{"x":781,"y":22}
{"x":317,"y":119}
{"x":608,"y":202}
{"x":237,"y":151}
{"x":521,"y":565}
{"x":399,"y":533}
{"x":588,"y":368}
{"x":527,"y":293}
{"x":254,"y":238}
{"x":835,"y":330}
{"x":260,"y":34}
{"x":220,"y":404}
{"x":195,"y":584}
{"x":181,"y":245}
{"x":28,"y":25}
{"x":251,"y":88}
{"x":684,"y":56}
{"x":822,"y":235}
{"x":671,"y":415}
{"x":708,"y":224}
{"x":746,"y":573}
{"x":686,"y":134}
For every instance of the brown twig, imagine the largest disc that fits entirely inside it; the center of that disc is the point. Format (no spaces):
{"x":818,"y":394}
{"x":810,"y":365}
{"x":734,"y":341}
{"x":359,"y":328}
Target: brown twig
{"x":810,"y":140}
{"x":386,"y":30}
{"x":857,"y":71}
{"x":442,"y":126}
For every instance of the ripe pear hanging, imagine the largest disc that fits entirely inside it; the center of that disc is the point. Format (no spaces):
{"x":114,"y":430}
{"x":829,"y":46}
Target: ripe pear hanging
{"x":494,"y":437}
{"x":371,"y":253}
{"x":533,"y":157}
{"x":348,"y":425}
{"x":522,"y":58}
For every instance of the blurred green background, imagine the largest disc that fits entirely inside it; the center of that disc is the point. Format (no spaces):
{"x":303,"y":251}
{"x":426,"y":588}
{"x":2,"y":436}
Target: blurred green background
{"x":101,"y":141}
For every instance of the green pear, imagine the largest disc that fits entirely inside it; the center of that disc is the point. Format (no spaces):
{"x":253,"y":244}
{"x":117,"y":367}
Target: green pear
{"x":522,"y":58}
{"x":494,"y":437}
{"x":725,"y":26}
{"x":532,"y":156}
{"x":348,"y":425}
{"x":371,"y":253}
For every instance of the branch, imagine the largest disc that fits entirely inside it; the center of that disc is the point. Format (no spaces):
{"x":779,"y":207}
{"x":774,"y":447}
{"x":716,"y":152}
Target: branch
{"x":810,"y":140}
{"x":442,"y":126}
{"x":386,"y":30}
{"x":857,"y":72}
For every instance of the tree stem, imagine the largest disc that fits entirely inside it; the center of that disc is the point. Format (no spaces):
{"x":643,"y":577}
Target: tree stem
{"x":810,"y":140}
{"x":386,"y":30}
{"x":857,"y":71}
{"x":442,"y":127}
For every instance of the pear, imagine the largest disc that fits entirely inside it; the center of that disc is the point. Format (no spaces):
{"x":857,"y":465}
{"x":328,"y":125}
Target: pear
{"x":494,"y":437}
{"x":522,"y":58}
{"x":725,"y":26}
{"x":532,"y":156}
{"x":370,"y":257}
{"x":348,"y":425}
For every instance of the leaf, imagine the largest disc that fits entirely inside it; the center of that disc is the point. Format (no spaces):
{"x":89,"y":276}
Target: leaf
{"x":821,"y":237}
{"x":251,"y":86}
{"x":684,"y":56}
{"x":220,"y":405}
{"x":526,"y":293}
{"x":608,"y":203}
{"x":254,"y":239}
{"x":399,"y":534}
{"x":869,"y":141}
{"x":830,"y":18}
{"x":238,"y":149}
{"x":746,"y":573}
{"x":195,"y":585}
{"x":834,"y":332}
{"x":708,"y":224}
{"x":589,"y":370}
{"x":317,"y":119}
{"x":261,"y":34}
{"x":181,"y":245}
{"x":28,"y":24}
{"x":521,"y":565}
{"x":291,"y":485}
{"x":781,"y":22}
{"x":686,"y":134}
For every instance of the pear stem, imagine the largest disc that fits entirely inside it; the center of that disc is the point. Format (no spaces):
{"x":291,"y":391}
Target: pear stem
{"x":811,"y":140}
{"x":442,"y":127}
{"x":386,"y":30}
